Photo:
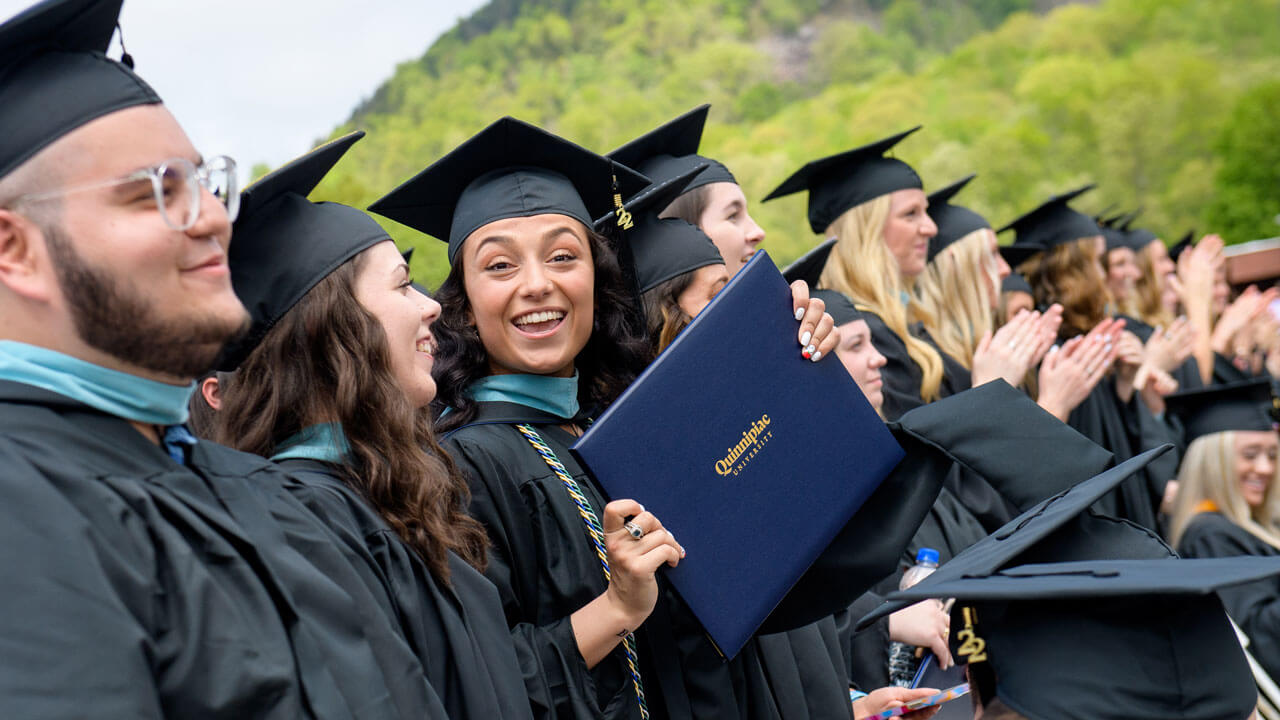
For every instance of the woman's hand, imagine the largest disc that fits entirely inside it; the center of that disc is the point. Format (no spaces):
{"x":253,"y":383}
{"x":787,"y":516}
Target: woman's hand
{"x":633,"y":590}
{"x":1168,"y":348}
{"x":1008,"y":353}
{"x":1238,"y":316}
{"x":1069,"y":374}
{"x":925,"y":625}
{"x":818,"y":333}
{"x":887,"y":698}
{"x":1128,"y":362}
{"x":1047,"y":332}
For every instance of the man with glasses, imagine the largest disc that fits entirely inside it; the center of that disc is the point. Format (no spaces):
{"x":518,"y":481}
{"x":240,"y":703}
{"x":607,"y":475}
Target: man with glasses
{"x":145,"y":574}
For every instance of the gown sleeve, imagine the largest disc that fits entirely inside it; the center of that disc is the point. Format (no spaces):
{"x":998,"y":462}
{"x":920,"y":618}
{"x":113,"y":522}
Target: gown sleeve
{"x":75,"y":616}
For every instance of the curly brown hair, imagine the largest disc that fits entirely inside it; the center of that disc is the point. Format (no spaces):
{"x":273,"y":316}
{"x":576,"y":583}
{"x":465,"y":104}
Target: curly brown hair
{"x":1070,"y":275}
{"x":613,"y":356}
{"x":328,"y":360}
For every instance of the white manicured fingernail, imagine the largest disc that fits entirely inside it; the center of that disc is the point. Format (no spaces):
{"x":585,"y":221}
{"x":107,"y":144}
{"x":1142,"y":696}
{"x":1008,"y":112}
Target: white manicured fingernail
{"x":811,"y":349}
{"x":816,"y":356}
{"x":806,"y":337}
{"x":799,"y":313}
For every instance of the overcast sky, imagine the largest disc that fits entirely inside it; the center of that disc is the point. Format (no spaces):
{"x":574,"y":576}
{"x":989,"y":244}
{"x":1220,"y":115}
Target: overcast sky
{"x":260,"y":80}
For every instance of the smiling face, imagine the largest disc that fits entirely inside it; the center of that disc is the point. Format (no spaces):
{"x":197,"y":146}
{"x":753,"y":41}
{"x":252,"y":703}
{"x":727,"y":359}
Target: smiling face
{"x":1255,"y":465}
{"x":907,"y":230}
{"x":1160,"y":260}
{"x":725,"y":220}
{"x":383,"y":288}
{"x":531,"y":284}
{"x":862,"y":360}
{"x":1122,"y":272}
{"x":117,"y":286}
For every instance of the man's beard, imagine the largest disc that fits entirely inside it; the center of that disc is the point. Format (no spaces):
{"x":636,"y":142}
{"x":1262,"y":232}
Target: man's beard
{"x":112,"y":316}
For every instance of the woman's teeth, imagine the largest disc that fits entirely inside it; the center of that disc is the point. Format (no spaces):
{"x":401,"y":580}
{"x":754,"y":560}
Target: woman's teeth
{"x":539,"y":317}
{"x":426,"y":346}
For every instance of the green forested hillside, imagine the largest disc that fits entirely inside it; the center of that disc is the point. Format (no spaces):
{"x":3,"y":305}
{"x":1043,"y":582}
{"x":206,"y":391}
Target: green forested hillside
{"x":1171,"y":105}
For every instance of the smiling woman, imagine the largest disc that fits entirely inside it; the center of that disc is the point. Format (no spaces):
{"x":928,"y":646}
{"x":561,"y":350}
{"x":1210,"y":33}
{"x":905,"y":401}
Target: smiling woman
{"x":876,"y":208}
{"x":1228,"y":498}
{"x":332,"y":383}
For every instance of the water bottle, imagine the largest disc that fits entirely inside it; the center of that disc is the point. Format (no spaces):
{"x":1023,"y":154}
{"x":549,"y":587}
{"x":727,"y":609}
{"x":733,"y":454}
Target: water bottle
{"x":902,"y":657}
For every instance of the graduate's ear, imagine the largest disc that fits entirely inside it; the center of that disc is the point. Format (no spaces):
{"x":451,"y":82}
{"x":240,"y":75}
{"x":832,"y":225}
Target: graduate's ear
{"x":24,"y":257}
{"x":211,"y":392}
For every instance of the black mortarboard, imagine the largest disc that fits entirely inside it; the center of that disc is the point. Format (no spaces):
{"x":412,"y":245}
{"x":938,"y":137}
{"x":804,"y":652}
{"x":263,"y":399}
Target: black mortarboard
{"x":809,"y":268}
{"x":1126,"y":235}
{"x":285,"y":244}
{"x":509,"y":169}
{"x":1051,"y":224}
{"x":848,"y":179}
{"x":1015,"y":282}
{"x":55,"y":76}
{"x":672,"y":150}
{"x":1246,"y":405}
{"x":1182,"y":245}
{"x":1116,"y":237}
{"x":662,"y":248}
{"x":1150,"y":642}
{"x":1132,"y":638}
{"x":953,"y":221}
{"x":1054,"y":527}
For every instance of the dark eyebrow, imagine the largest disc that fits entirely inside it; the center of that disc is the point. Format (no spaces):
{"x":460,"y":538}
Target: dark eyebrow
{"x":559,"y":230}
{"x":503,"y":239}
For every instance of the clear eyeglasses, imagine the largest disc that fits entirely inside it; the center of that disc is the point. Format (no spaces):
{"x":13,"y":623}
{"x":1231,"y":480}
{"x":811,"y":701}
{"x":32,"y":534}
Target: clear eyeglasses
{"x":176,"y":185}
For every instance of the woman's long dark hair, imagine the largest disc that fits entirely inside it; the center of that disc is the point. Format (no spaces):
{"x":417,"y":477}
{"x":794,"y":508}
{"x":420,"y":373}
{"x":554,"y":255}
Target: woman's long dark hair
{"x":663,"y":314}
{"x":1069,"y":274}
{"x":611,"y":359}
{"x":327,"y":360}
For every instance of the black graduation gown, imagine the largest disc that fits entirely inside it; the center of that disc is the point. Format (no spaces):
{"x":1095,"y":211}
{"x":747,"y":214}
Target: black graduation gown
{"x":1120,"y":428}
{"x":901,"y":375}
{"x":949,"y":529}
{"x":545,"y":568}
{"x":140,"y":587}
{"x":457,"y":631}
{"x":1254,"y":606}
{"x":956,"y":378}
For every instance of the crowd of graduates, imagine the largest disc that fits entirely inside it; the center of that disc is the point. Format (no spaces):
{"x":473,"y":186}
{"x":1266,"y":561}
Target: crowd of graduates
{"x":251,"y":469}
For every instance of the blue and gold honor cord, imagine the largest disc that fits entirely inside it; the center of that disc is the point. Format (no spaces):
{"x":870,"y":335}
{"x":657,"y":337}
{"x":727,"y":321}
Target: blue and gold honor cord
{"x":596,"y":533}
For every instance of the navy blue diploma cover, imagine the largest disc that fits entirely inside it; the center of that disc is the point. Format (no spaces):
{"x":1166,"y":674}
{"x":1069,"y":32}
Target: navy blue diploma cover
{"x":752,"y":456}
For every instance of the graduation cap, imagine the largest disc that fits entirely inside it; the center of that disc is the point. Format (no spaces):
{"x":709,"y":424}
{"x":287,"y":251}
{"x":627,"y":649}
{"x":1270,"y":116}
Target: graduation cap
{"x":1133,"y":638}
{"x":1015,"y":282}
{"x":1183,"y":244}
{"x":809,"y":268}
{"x":1132,"y":237}
{"x":285,"y":244}
{"x":1067,"y":613}
{"x":55,"y":76}
{"x":1246,"y":405}
{"x":953,"y":221}
{"x":1051,"y":224}
{"x":661,"y":248}
{"x":509,"y":169}
{"x":672,"y":150}
{"x":839,"y":182}
{"x":1037,"y":534}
